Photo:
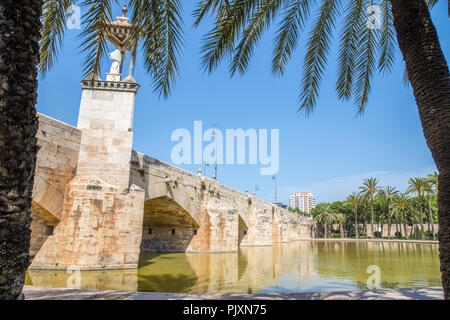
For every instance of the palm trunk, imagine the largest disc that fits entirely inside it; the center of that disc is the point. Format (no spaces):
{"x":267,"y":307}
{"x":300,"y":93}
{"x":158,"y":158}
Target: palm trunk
{"x":325,"y":230}
{"x":365,"y":224}
{"x":430,"y":217}
{"x":389,"y":221}
{"x":404,"y":224}
{"x":422,"y":235}
{"x":356,"y":223}
{"x":341,"y":230}
{"x":429,"y":76}
{"x":19,"y":56}
{"x":372,"y":226}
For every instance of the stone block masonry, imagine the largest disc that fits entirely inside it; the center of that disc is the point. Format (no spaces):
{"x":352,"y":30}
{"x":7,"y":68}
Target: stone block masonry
{"x":98,"y":204}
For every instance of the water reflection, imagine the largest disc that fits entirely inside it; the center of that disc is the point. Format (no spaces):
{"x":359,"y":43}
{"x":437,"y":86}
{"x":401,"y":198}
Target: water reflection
{"x":289,"y":267}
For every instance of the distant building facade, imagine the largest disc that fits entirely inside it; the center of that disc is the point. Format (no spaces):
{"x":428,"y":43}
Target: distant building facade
{"x":305,"y":201}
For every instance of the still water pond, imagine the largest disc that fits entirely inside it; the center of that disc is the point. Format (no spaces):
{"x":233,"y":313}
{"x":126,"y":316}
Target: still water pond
{"x":289,"y":267}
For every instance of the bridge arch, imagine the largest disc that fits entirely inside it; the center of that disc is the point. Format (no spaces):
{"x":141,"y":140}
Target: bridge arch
{"x":167,"y":226}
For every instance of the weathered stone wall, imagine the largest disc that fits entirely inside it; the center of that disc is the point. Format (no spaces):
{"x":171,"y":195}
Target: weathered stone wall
{"x":88,"y":217}
{"x":55,"y":167}
{"x":106,"y":120}
{"x":100,"y":229}
{"x":226,"y":218}
{"x":101,"y":221}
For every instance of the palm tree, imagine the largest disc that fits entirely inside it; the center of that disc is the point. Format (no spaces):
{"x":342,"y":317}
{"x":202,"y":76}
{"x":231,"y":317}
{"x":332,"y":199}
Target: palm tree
{"x":355,"y":199}
{"x":324,"y":215}
{"x":417,"y":186}
{"x":433,"y":180}
{"x":429,"y":191}
{"x":402,"y":204}
{"x":340,"y":218}
{"x":369,"y":188}
{"x":22,"y":50}
{"x":365,"y":208}
{"x":239,"y":24}
{"x":379,"y":210}
{"x":388,"y":192}
{"x":396,"y":216}
{"x":19,"y":56}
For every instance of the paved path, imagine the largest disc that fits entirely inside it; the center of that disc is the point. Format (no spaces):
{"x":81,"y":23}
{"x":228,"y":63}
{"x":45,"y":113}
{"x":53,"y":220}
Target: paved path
{"x":46,"y":293}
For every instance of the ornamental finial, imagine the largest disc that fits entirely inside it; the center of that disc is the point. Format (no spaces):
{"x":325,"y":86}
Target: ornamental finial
{"x":124,"y":10}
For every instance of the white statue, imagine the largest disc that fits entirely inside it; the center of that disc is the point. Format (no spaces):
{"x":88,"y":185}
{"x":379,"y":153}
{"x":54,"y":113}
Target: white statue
{"x":116,"y":57}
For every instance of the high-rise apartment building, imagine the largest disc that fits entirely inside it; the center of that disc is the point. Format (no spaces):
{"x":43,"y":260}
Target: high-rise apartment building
{"x":305,"y":201}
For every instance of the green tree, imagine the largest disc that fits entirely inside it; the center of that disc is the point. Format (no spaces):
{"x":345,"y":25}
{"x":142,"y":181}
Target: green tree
{"x":324,"y":214}
{"x":369,"y":188}
{"x":402,"y":205}
{"x":417,"y":186}
{"x":340,"y":218}
{"x":239,"y":25}
{"x":429,"y":191}
{"x":388,"y":192}
{"x":22,"y":50}
{"x":433,"y":179}
{"x":355,"y":200}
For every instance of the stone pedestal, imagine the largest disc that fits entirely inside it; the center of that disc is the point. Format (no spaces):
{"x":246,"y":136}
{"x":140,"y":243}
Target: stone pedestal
{"x":102,"y":216}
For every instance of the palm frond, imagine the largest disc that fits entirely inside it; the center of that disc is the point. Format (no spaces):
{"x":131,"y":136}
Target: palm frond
{"x":259,"y":21}
{"x":387,"y":40}
{"x":365,"y":67}
{"x":318,"y":48}
{"x":54,"y":16}
{"x":220,"y":41}
{"x":293,"y":21}
{"x":162,"y":40}
{"x":94,"y":43}
{"x":204,"y":7}
{"x":431,"y":3}
{"x":349,"y":38}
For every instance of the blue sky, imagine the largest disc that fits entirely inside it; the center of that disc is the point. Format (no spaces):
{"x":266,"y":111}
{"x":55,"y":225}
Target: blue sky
{"x":329,"y":153}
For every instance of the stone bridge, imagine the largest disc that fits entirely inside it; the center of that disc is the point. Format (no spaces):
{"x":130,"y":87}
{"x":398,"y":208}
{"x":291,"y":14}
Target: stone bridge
{"x":97,"y":204}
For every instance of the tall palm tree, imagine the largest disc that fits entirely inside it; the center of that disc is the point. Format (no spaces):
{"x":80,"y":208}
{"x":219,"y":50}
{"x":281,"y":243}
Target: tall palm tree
{"x":417,"y":186}
{"x":19,"y":56}
{"x":369,"y":188}
{"x":402,"y":204}
{"x":429,"y":191}
{"x":22,"y":50}
{"x":355,"y":200}
{"x":325,"y":215}
{"x":388,"y":192}
{"x":340,"y":218}
{"x":433,"y":179}
{"x":239,"y":24}
{"x":396,"y":216}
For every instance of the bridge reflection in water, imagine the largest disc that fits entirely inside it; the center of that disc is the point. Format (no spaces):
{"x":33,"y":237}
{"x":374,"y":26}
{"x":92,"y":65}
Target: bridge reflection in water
{"x":302,"y":266}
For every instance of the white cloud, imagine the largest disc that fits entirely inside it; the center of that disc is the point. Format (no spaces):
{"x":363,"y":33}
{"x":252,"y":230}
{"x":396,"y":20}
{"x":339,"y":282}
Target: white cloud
{"x":336,"y":189}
